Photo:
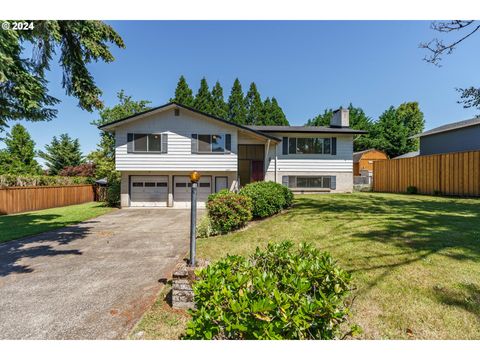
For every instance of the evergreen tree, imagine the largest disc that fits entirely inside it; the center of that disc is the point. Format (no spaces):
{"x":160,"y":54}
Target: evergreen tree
{"x":266,"y":112}
{"x":19,"y":155}
{"x":24,"y":92}
{"x":104,"y":156}
{"x":277,"y":116}
{"x":219,"y":107}
{"x":61,"y":153}
{"x":183,"y":93}
{"x":203,"y":99}
{"x":254,"y":106}
{"x":236,"y":104}
{"x":412,"y":118}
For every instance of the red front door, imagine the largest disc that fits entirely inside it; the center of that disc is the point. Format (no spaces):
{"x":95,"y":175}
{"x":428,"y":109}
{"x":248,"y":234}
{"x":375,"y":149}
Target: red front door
{"x":257,"y":170}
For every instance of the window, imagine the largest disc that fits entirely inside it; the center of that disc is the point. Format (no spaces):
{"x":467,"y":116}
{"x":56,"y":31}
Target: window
{"x":147,"y":143}
{"x":309,"y":146}
{"x":161,"y":184}
{"x":211,"y":143}
{"x":205,"y":185}
{"x":149,"y":184}
{"x":309,"y":182}
{"x":137,"y":184}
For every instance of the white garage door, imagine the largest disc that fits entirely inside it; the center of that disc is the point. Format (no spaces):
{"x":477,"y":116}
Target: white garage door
{"x":182,"y":190}
{"x":148,"y":190}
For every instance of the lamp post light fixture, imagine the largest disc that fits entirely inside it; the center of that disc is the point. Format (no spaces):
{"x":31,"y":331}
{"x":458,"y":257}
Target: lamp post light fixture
{"x":194,"y":179}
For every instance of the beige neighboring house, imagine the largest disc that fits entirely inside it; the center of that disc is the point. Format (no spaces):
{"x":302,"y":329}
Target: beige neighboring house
{"x":157,"y":149}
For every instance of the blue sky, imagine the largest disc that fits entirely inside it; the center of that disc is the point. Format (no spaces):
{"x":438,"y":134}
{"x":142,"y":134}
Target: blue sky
{"x":307,"y":66}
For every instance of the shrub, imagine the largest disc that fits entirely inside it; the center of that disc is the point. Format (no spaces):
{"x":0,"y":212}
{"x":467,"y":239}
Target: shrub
{"x":204,"y":228}
{"x":41,"y":180}
{"x":278,"y":293}
{"x":214,"y":195}
{"x":412,"y":190}
{"x":113,"y":190}
{"x":87,"y":169}
{"x":268,"y":197}
{"x":229,"y":211}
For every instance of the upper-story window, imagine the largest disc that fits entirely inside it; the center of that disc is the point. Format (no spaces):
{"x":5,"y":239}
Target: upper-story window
{"x":211,"y":143}
{"x":295,"y":145}
{"x":147,"y":143}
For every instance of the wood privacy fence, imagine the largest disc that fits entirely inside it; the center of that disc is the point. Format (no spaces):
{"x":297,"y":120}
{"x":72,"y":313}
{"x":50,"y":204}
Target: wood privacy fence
{"x":446,"y":174}
{"x":29,"y":198}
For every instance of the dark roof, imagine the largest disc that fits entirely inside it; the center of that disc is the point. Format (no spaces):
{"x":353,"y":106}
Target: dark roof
{"x":451,"y":126}
{"x":194,"y":110}
{"x":408,"y":155}
{"x":306,"y":129}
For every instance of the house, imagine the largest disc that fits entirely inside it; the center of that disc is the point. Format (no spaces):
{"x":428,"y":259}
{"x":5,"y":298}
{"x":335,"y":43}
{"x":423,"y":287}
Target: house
{"x":458,"y":136}
{"x":410,"y":154}
{"x":363,"y":160}
{"x":157,"y":149}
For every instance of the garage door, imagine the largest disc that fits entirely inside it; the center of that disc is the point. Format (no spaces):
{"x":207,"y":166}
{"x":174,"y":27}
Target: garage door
{"x":148,"y":190}
{"x":182,"y":190}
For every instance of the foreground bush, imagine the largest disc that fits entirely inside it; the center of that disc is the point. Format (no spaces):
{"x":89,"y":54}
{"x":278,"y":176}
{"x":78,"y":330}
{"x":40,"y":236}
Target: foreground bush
{"x":113,"y":189}
{"x":228,"y":211}
{"x":268,"y":197}
{"x":278,"y":293}
{"x":41,"y":180}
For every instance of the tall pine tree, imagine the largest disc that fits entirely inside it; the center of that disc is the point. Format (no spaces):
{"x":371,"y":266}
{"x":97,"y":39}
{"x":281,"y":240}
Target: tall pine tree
{"x":266,"y":112}
{"x":236,"y":104}
{"x":219,"y":107}
{"x":19,"y":155}
{"x":61,"y":153}
{"x":203,"y":99}
{"x":183,"y":93}
{"x":254,"y":106}
{"x":277,"y":116}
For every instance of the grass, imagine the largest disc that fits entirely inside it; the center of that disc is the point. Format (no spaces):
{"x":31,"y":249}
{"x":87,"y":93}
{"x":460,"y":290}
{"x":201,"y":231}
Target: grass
{"x":16,"y":226}
{"x":161,"y":321}
{"x":415,"y":259}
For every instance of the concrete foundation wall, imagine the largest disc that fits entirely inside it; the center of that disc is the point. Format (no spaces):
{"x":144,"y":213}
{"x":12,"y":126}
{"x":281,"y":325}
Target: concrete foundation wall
{"x":344,"y":180}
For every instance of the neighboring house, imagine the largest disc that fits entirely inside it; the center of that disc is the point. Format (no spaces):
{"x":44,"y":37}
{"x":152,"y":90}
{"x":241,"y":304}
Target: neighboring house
{"x":408,"y":155}
{"x":454,"y":137}
{"x":157,"y":149}
{"x":363,"y":160}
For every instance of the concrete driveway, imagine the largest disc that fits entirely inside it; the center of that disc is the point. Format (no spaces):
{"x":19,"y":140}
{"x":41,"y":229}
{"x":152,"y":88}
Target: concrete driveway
{"x":93,"y":280}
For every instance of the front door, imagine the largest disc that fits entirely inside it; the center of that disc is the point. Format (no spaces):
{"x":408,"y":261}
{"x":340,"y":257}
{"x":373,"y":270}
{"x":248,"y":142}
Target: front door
{"x":257,"y":170}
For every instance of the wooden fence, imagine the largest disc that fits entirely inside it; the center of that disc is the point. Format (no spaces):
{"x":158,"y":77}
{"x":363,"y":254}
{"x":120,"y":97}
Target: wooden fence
{"x":446,"y":174}
{"x":29,"y":198}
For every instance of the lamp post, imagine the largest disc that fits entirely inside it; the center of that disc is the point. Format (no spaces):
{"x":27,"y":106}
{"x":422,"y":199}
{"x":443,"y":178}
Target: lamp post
{"x":194,"y":178}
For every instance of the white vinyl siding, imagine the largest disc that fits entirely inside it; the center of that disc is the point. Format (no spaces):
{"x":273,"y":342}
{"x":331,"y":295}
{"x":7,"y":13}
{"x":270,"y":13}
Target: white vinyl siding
{"x":341,"y":162}
{"x":179,"y":157}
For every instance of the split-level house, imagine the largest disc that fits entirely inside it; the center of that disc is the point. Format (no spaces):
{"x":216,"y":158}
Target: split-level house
{"x":156,"y":150}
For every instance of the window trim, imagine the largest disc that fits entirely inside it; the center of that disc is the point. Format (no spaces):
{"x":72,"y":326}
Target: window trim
{"x":289,"y":179}
{"x":295,"y":139}
{"x":223,"y":136}
{"x":147,"y":151}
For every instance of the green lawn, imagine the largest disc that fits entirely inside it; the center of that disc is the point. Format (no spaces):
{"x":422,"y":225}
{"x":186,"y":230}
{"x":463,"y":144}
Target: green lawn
{"x":415,"y":259}
{"x":35,"y":222}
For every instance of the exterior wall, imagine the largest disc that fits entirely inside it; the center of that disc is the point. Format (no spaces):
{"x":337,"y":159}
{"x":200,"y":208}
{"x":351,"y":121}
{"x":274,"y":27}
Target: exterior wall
{"x":464,"y":139}
{"x":366,"y":161}
{"x":179,"y":156}
{"x":124,"y":187}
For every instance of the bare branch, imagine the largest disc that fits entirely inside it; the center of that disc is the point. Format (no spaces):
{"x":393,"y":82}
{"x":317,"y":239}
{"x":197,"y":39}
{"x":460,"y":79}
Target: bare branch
{"x":438,"y":48}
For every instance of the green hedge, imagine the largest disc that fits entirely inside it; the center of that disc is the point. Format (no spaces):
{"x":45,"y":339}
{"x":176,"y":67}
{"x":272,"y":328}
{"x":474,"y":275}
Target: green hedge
{"x":268,"y":197}
{"x":283,"y":292}
{"x":228,"y":211}
{"x":41,"y":180}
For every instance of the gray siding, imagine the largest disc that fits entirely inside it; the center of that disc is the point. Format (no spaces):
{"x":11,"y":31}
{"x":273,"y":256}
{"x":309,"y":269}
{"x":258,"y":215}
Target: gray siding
{"x":464,"y":139}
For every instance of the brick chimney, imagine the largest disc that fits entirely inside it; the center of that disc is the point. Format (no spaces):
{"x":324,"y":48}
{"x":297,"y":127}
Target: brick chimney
{"x":340,"y":118}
